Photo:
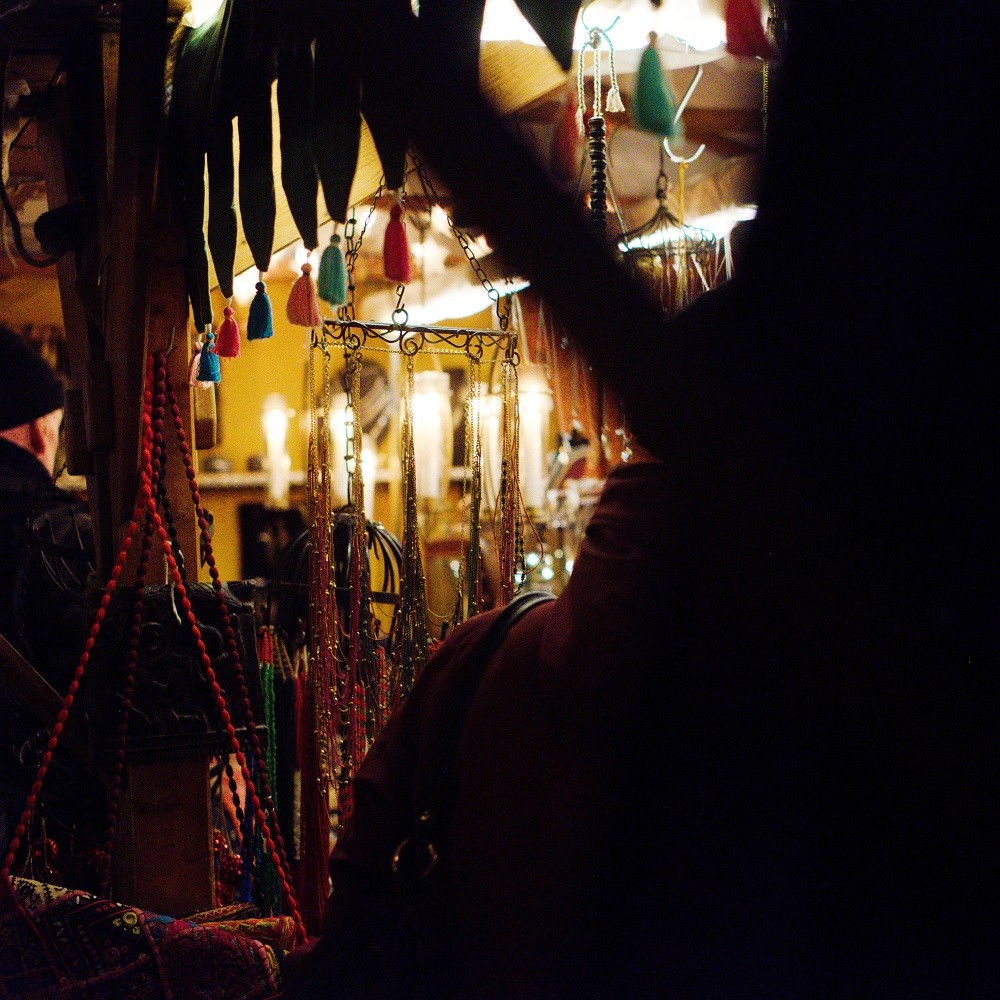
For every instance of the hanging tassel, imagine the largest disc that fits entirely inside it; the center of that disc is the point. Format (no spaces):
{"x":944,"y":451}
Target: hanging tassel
{"x":209,"y":369}
{"x":195,"y":364}
{"x":227,"y":337}
{"x":745,"y":34}
{"x":260,"y":322}
{"x":653,"y":104}
{"x":614,"y":102}
{"x":333,"y":274}
{"x":396,"y":263}
{"x":303,"y":305}
{"x":581,"y":106}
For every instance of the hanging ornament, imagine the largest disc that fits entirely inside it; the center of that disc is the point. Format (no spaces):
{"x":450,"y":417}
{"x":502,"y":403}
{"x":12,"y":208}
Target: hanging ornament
{"x":745,"y":35}
{"x":396,"y":262}
{"x":614,"y":100}
{"x":209,"y":369}
{"x":333,"y":273}
{"x":303,"y":304}
{"x":299,"y":179}
{"x":227,"y":337}
{"x":260,"y":322}
{"x":654,"y":107}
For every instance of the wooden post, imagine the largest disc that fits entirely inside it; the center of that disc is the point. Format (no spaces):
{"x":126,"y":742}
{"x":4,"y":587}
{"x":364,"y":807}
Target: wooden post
{"x":163,"y":854}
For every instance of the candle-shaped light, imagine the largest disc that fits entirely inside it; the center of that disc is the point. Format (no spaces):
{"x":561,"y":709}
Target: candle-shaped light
{"x":342,"y":425}
{"x":274,"y":421}
{"x":432,"y":433}
{"x":534,"y":404}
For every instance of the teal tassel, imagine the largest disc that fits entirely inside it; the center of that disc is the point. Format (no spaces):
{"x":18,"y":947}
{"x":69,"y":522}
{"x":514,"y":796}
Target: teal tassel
{"x":653,"y":104}
{"x":260,"y":322}
{"x":209,"y":369}
{"x":333,"y":274}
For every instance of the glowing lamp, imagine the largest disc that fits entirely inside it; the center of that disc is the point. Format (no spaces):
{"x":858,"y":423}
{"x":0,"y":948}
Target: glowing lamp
{"x":432,"y":433}
{"x":274,"y":422}
{"x":534,"y":403}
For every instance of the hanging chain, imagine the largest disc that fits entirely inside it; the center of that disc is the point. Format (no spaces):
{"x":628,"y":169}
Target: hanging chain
{"x":776,"y":29}
{"x":352,"y":248}
{"x":473,"y":458}
{"x":500,"y":303}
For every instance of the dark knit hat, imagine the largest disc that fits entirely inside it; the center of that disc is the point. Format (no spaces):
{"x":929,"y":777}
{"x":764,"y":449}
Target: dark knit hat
{"x":29,"y":388}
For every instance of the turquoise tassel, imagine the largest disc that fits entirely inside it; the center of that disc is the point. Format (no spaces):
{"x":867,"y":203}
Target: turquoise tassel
{"x":209,"y":369}
{"x":260,"y":322}
{"x":653,"y":105}
{"x":333,"y":274}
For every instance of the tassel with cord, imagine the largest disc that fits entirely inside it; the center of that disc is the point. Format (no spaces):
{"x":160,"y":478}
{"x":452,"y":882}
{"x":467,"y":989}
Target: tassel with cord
{"x":332,"y":281}
{"x":745,"y":35}
{"x":654,"y":107}
{"x":614,"y":101}
{"x":260,"y":322}
{"x":227,"y":337}
{"x":396,"y":263}
{"x":303,"y":305}
{"x":209,"y":369}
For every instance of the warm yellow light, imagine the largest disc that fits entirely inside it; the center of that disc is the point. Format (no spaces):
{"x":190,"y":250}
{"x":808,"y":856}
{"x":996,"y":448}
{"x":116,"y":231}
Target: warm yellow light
{"x":534,"y":404}
{"x":432,"y":433}
{"x":274,"y":422}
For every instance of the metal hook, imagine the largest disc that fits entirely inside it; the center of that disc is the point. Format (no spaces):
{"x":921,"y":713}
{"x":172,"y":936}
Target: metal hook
{"x":170,"y":342}
{"x":588,"y":28}
{"x":677,"y":117}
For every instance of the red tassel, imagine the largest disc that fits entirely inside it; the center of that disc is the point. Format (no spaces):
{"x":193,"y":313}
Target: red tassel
{"x":396,"y":250}
{"x":303,"y":302}
{"x":227,"y":337}
{"x":745,"y":34}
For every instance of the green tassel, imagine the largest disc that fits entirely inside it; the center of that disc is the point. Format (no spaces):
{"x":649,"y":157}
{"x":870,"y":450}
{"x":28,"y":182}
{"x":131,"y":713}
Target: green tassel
{"x":333,"y":274}
{"x":260,"y":322}
{"x":209,"y":369}
{"x":653,"y":104}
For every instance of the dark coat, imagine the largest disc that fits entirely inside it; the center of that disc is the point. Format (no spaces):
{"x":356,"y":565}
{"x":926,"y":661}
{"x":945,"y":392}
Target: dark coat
{"x":46,"y":556}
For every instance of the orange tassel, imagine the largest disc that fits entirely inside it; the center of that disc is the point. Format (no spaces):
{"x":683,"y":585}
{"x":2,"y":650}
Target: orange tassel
{"x":303,"y":302}
{"x":396,"y":250}
{"x":227,"y":337}
{"x":745,"y":34}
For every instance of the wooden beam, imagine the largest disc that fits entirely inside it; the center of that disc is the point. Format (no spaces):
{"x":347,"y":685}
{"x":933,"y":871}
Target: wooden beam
{"x":55,"y":144}
{"x":138,"y":127}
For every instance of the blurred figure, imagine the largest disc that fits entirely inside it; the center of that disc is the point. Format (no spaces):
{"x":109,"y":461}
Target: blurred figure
{"x":46,"y":557}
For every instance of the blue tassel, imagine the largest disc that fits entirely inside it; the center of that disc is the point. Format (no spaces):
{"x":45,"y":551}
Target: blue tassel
{"x":209,"y":369}
{"x":333,"y":274}
{"x":260,"y":322}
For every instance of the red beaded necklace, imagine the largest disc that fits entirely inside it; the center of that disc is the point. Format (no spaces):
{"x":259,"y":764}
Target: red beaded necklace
{"x":157,"y":396}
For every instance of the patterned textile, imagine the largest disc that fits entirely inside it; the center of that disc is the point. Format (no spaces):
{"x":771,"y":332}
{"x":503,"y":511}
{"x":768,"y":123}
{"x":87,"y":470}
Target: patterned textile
{"x":65,"y":944}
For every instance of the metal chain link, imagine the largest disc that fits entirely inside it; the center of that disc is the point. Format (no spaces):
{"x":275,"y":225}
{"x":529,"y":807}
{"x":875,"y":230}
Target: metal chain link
{"x":353,"y":249}
{"x":501,"y":303}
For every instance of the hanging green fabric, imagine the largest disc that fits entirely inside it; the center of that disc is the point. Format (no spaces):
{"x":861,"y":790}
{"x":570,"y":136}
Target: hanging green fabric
{"x":336,"y":123}
{"x":222,"y":202}
{"x":193,"y":116}
{"x":295,"y":110}
{"x":654,"y":106}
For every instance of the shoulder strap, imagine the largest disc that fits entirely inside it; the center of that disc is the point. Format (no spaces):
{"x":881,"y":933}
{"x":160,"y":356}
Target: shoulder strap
{"x":417,"y":854}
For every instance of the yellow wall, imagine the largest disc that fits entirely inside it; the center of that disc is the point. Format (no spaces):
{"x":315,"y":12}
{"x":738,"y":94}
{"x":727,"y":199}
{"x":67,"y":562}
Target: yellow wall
{"x":275,"y":365}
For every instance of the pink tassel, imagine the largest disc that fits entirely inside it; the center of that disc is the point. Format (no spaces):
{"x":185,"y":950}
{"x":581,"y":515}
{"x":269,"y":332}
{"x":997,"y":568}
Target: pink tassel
{"x":396,"y":250}
{"x":744,"y":31}
{"x":227,"y":337}
{"x":303,"y":302}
